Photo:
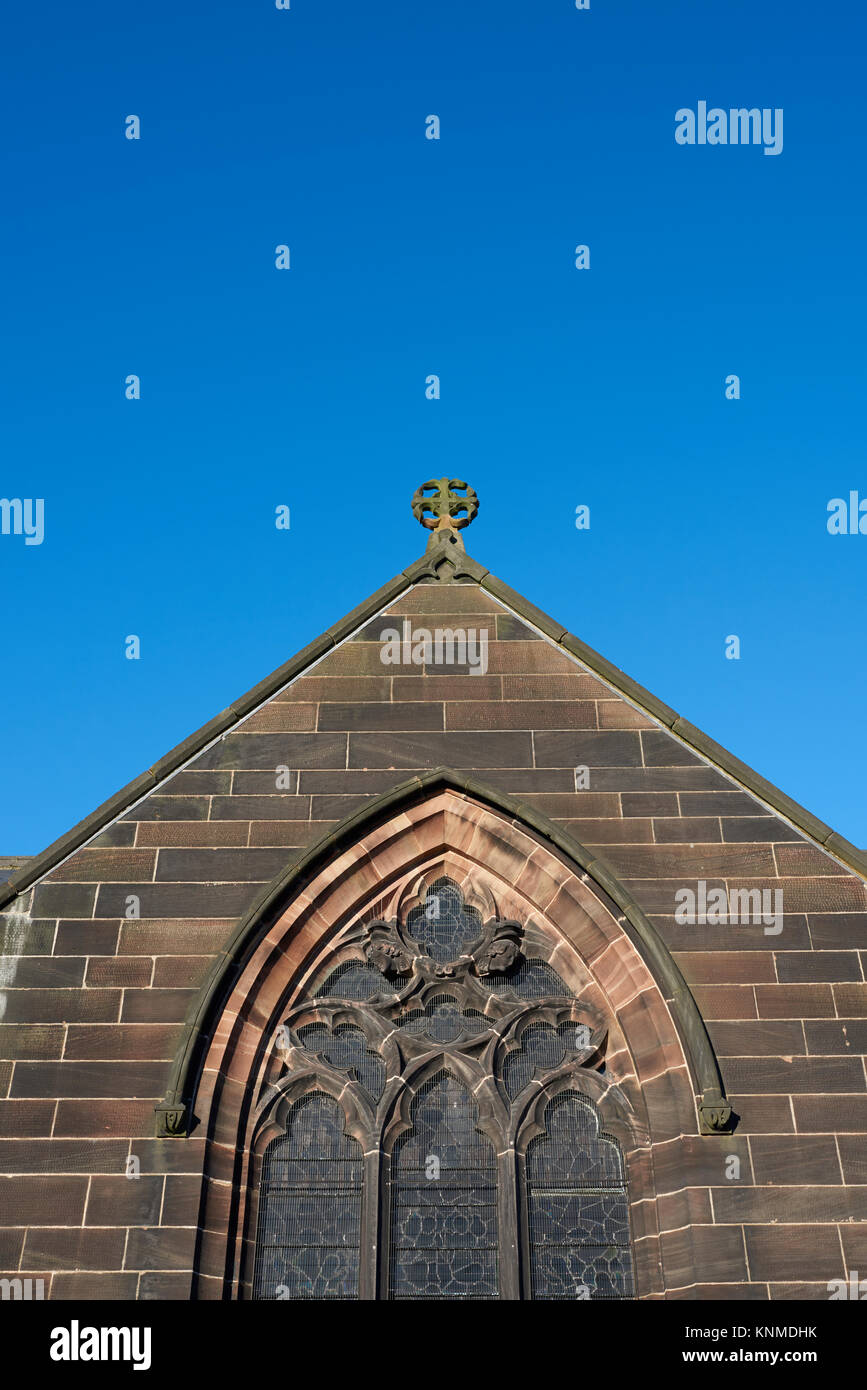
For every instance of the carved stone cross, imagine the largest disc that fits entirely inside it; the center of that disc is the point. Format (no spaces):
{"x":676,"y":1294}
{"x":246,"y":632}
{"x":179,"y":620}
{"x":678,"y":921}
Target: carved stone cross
{"x":445,"y":498}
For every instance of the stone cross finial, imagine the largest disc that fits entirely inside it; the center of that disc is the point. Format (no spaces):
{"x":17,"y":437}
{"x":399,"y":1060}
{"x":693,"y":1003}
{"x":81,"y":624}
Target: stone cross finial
{"x":444,"y":499}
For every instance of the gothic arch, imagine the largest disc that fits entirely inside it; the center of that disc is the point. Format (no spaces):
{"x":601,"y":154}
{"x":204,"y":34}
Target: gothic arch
{"x":658,"y":1079}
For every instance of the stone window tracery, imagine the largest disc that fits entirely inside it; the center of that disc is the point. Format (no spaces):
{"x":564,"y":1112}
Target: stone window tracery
{"x":436,"y":1140}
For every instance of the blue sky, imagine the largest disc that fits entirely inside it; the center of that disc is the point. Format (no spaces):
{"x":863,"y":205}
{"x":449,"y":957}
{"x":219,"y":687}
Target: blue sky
{"x":409,"y":257}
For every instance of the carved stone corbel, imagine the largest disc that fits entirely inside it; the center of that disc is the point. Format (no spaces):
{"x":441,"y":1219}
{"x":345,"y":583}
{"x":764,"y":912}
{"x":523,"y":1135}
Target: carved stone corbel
{"x":171,"y":1120}
{"x":714,"y":1113}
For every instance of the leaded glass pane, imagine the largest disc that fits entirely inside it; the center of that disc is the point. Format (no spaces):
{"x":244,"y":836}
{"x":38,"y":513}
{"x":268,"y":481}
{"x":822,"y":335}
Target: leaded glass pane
{"x":578,"y":1217}
{"x":444,"y":927}
{"x":529,"y":979}
{"x":543,"y":1048}
{"x":444,"y":1200}
{"x":347,"y":1049}
{"x":443,"y":1020}
{"x":354,"y":979}
{"x":310,"y":1208}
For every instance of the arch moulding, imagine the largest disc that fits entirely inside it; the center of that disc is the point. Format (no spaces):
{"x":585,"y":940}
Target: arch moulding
{"x":175,"y":1116}
{"x":660,"y":1078}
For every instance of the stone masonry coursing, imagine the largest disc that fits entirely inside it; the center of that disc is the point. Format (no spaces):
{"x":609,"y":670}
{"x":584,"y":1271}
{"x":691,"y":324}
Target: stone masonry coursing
{"x":94,"y":1003}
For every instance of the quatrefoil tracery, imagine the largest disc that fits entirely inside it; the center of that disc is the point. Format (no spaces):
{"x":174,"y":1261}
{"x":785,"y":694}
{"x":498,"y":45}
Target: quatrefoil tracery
{"x":453,"y":993}
{"x":446,"y":943}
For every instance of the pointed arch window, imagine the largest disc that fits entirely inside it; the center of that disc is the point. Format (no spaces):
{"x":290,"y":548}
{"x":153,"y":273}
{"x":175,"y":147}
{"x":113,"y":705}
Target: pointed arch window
{"x":310,"y":1207}
{"x":577,"y":1212}
{"x":439,"y":1139}
{"x":443,"y":1214}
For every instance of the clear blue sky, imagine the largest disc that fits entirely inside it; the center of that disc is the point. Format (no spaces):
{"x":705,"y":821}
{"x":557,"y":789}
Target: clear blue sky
{"x":410,"y":257}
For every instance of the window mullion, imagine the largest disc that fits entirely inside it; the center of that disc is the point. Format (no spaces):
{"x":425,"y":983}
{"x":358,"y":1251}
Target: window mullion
{"x":371,"y":1251}
{"x":510,"y":1285}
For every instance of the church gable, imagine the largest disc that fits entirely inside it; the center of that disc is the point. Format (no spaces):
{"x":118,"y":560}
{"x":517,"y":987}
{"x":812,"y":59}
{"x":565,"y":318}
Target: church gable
{"x":752,"y":909}
{"x":445,"y":665}
{"x":464,"y":674}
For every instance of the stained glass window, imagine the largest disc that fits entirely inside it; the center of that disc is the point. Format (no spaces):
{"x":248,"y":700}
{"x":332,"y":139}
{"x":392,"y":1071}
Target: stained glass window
{"x":507,"y":1032}
{"x":346,"y":1048}
{"x":310,"y":1207}
{"x":443,"y":1200}
{"x":444,"y":926}
{"x":576,"y":1207}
